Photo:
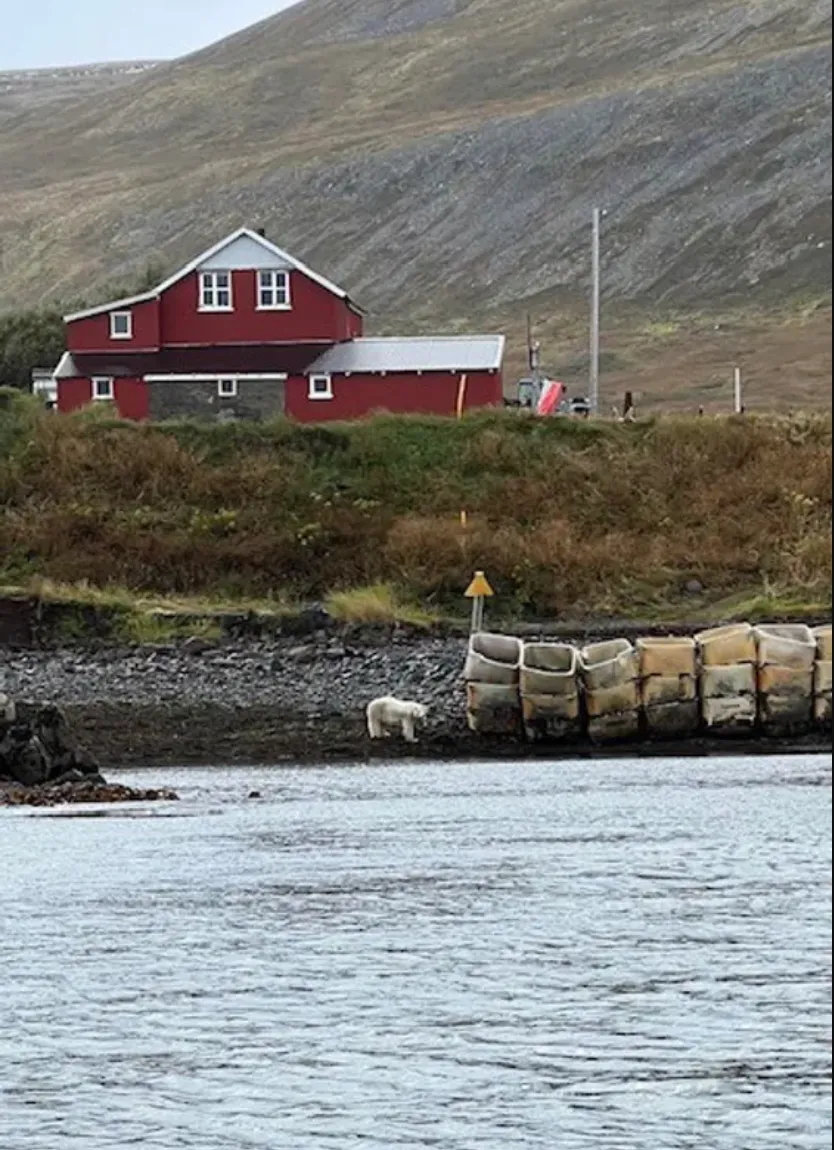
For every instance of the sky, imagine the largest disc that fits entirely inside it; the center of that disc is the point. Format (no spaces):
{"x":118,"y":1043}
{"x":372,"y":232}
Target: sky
{"x":57,"y":33}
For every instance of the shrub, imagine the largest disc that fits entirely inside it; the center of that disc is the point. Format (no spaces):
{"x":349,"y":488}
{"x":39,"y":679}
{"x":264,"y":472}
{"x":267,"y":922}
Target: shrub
{"x":565,"y":517}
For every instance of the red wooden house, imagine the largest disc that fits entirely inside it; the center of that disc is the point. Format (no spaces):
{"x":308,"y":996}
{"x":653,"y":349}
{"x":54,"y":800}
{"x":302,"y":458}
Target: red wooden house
{"x":247,"y":331}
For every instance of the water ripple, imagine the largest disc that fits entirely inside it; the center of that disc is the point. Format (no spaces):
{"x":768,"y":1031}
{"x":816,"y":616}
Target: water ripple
{"x":633,"y":955}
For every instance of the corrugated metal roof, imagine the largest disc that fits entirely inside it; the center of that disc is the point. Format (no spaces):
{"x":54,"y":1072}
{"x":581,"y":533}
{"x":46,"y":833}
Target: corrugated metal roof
{"x":293,"y":359}
{"x":434,"y":353}
{"x":439,"y":353}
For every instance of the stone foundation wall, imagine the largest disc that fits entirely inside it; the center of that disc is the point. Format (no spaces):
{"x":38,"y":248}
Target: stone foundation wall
{"x":256,"y":399}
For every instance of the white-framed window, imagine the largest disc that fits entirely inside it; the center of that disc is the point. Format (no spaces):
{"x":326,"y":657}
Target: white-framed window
{"x":103,"y":389}
{"x":121,"y":325}
{"x":216,"y":291}
{"x":321,"y":387}
{"x":274,"y":291}
{"x":227,"y":388}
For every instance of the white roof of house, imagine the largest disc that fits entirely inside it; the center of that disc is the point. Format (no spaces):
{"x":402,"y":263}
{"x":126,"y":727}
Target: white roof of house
{"x":242,"y":233}
{"x":432,"y":353}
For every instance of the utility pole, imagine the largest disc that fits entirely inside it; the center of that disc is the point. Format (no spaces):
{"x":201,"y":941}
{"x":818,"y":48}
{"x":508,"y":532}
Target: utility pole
{"x":738,"y":396}
{"x":595,"y":312}
{"x":534,"y":349}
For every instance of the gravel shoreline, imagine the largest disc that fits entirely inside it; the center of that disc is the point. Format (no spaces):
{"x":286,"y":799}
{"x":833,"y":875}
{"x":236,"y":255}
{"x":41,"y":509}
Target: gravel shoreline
{"x":319,"y":678}
{"x":279,"y":700}
{"x":252,"y":701}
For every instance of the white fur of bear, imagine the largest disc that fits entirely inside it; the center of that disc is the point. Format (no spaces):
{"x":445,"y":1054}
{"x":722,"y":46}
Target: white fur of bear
{"x":389,"y":714}
{"x":8,"y":711}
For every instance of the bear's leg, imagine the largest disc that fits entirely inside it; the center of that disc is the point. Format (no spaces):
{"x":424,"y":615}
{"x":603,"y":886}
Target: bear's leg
{"x":408,"y":729}
{"x":375,"y":727}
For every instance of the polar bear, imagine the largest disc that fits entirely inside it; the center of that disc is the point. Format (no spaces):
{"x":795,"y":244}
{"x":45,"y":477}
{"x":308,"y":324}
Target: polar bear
{"x":385,"y":715}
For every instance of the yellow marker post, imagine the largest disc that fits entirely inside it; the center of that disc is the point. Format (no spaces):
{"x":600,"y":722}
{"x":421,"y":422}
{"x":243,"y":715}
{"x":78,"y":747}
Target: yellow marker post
{"x":461,"y":408}
{"x":461,"y":404}
{"x":479,"y":591}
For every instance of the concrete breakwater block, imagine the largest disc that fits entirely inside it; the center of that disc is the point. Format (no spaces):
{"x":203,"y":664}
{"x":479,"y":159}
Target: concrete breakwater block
{"x":823,"y":711}
{"x":550,"y":692}
{"x":493,"y":709}
{"x":823,"y":677}
{"x":493,"y":659}
{"x":661,"y":690}
{"x":727,"y":646}
{"x":610,"y":679}
{"x":606,"y":665}
{"x":623,"y":727}
{"x":822,"y":637}
{"x":786,"y":660}
{"x":792,"y":646}
{"x":669,"y":685}
{"x":674,"y":720}
{"x":667,"y":658}
{"x":736,"y":713}
{"x":623,"y":698}
{"x":492,"y":673}
{"x":776,"y":678}
{"x":727,"y":680}
{"x":783,"y":713}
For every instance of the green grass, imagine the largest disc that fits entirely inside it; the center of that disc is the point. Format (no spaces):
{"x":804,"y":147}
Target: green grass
{"x":768,"y":603}
{"x":116,"y":598}
{"x":151,"y":628}
{"x":377,"y":604}
{"x":568,"y":519}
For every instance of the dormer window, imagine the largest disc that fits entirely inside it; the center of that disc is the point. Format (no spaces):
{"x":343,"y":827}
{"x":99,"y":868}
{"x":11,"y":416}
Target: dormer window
{"x":216,"y":291}
{"x":274,"y":291}
{"x":121,"y":325}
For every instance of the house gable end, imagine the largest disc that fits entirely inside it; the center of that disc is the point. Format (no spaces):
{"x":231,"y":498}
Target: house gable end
{"x":243,"y":254}
{"x":233,"y":247}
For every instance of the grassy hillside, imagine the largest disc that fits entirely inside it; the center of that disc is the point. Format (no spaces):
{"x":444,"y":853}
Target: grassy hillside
{"x":441,"y":159}
{"x":20,"y":91}
{"x":568,"y":519}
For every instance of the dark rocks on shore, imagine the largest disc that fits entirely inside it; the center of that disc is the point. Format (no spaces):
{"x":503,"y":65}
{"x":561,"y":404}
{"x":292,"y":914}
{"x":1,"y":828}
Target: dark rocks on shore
{"x":87,"y":790}
{"x":41,"y":765}
{"x":36,"y":748}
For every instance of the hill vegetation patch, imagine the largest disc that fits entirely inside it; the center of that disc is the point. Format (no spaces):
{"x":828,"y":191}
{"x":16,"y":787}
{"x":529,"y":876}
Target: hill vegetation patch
{"x":569,"y":519}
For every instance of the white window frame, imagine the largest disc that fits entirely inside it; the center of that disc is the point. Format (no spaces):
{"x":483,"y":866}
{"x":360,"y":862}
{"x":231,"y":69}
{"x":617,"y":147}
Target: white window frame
{"x":234,"y":386}
{"x":210,"y":290}
{"x":117,"y":315}
{"x":111,"y":389}
{"x":320,"y":378}
{"x":274,"y":282}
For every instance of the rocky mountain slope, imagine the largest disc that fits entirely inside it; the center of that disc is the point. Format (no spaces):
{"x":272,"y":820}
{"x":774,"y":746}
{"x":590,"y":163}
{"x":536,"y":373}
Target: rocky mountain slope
{"x":441,"y":157}
{"x":40,"y":86}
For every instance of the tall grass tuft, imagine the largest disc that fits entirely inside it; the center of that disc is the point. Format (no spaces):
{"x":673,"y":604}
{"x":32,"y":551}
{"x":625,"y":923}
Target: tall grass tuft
{"x":377,"y":604}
